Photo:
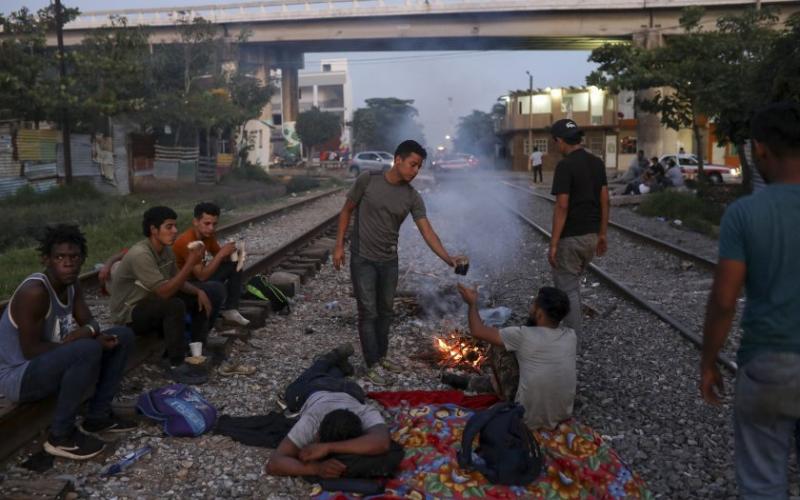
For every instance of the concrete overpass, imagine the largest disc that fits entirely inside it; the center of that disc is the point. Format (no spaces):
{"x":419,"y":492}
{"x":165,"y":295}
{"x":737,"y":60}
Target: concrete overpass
{"x":282,"y":30}
{"x":358,"y":25}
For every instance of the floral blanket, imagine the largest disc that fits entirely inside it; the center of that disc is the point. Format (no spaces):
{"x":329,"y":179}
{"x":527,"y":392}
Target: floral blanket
{"x":578,"y":462}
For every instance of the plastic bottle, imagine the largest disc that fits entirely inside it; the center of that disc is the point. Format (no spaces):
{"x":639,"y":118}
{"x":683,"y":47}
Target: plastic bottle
{"x":333,"y":305}
{"x":125,"y":462}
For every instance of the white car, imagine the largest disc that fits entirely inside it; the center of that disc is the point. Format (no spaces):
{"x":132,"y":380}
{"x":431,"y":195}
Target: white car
{"x":715,"y":173}
{"x":366,"y":161}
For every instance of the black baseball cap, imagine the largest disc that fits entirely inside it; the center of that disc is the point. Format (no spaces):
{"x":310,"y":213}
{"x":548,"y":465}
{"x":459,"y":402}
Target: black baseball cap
{"x":566,"y":129}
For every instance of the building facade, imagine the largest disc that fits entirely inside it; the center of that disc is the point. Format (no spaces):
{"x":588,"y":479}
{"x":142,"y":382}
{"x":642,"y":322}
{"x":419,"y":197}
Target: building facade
{"x":608,"y":121}
{"x":327,"y":88}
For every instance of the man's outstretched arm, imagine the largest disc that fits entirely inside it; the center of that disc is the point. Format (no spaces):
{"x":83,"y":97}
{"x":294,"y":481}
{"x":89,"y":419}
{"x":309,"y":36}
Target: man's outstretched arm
{"x":476,"y":327}
{"x":433,"y":241}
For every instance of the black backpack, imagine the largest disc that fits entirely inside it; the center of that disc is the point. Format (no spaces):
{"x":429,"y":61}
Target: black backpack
{"x":507,"y":446}
{"x":259,"y":288}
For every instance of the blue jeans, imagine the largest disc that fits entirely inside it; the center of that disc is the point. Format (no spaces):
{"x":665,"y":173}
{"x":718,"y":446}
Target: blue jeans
{"x":323,"y":375}
{"x":72,"y":370}
{"x":766,"y":416}
{"x":374,"y":284}
{"x":226,"y":273}
{"x":217,"y":295}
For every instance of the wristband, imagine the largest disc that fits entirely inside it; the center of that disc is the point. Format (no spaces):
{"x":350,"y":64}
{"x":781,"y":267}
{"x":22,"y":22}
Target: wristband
{"x":93,"y":327}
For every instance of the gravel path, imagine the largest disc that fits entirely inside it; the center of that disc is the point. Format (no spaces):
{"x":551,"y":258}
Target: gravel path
{"x":637,"y":378}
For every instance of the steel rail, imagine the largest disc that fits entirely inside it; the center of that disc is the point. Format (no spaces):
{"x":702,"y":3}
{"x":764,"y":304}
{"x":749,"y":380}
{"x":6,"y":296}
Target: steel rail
{"x":631,"y":294}
{"x":89,"y":278}
{"x":646,"y":238}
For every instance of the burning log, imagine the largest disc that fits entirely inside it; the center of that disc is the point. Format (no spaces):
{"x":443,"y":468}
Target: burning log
{"x":457,"y":350}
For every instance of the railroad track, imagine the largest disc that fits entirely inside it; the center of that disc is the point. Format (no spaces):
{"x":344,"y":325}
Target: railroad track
{"x":686,"y":331}
{"x":637,"y":235}
{"x":20,"y":423}
{"x":89,"y":278}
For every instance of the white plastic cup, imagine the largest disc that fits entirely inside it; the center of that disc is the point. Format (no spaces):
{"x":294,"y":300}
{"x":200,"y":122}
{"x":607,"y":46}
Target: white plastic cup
{"x":196,"y":348}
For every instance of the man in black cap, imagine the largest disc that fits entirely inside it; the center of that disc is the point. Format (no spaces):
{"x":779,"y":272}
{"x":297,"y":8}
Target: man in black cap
{"x":580,"y":216}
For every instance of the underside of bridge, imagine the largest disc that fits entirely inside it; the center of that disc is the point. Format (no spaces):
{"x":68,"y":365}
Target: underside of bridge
{"x":281,"y":43}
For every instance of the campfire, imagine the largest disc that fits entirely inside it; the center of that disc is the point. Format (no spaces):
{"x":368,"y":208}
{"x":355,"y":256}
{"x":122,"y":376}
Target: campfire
{"x":456,"y":350}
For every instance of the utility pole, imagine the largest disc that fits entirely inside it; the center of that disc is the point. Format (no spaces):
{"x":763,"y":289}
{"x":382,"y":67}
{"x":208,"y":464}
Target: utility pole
{"x":530,"y":116}
{"x":62,"y":68}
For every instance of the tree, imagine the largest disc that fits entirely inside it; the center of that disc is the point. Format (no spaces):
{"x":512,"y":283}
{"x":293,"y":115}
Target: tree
{"x":29,"y":84}
{"x":386,"y":122}
{"x":475,"y":134}
{"x":688,"y":65}
{"x":192,"y":91}
{"x":110,"y":72}
{"x":317,"y":127}
{"x":746,"y":40}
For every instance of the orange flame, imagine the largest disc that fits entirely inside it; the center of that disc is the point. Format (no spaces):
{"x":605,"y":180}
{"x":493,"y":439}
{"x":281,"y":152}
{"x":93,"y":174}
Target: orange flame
{"x":455,"y":350}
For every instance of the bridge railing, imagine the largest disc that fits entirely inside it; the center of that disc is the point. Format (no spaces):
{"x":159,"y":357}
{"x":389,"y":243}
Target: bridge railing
{"x":269,"y":10}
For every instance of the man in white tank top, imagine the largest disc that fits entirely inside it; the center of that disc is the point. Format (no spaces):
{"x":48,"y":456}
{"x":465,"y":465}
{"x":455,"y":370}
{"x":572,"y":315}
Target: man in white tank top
{"x":51,"y":345}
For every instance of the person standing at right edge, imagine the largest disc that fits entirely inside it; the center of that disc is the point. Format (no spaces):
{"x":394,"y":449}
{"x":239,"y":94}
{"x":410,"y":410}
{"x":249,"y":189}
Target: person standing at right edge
{"x":580,"y":216}
{"x":759,"y":245}
{"x":381,"y":202}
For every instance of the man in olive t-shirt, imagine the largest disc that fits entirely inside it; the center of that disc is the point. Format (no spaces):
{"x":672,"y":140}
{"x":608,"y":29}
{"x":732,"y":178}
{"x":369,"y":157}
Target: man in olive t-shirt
{"x":381,"y":202}
{"x":151,"y":295}
{"x":580,"y":216}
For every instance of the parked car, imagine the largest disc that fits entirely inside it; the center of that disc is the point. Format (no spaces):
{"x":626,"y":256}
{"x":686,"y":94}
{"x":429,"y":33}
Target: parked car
{"x":716,"y":173}
{"x":453,"y":162}
{"x":366,"y":161}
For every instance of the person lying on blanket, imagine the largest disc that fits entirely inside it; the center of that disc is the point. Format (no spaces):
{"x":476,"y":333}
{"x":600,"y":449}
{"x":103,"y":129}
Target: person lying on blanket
{"x":534,"y":364}
{"x":333,"y":420}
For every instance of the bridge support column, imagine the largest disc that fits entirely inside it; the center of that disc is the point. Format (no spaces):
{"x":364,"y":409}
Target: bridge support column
{"x":652,"y":137}
{"x":290,"y":93}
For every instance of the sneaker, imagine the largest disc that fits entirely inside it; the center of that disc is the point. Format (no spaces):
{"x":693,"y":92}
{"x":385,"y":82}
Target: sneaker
{"x":234,"y":316}
{"x":229,"y":369}
{"x":375,"y":377}
{"x":76,"y":446}
{"x":391,"y":366}
{"x":111,"y":423}
{"x":186,"y":374}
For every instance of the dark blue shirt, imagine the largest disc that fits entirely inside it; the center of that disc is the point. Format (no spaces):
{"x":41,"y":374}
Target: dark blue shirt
{"x":763,"y":231}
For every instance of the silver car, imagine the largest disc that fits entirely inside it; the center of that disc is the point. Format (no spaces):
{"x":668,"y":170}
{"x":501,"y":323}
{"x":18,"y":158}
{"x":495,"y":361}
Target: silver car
{"x":366,"y":161}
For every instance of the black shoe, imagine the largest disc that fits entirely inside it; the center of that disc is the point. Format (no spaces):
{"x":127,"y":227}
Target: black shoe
{"x":455,"y":381}
{"x":108,"y":424}
{"x":76,"y":446}
{"x":186,"y":374}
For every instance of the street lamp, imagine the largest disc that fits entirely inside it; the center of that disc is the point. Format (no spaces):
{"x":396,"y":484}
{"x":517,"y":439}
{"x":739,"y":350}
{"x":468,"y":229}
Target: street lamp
{"x":530,"y":115}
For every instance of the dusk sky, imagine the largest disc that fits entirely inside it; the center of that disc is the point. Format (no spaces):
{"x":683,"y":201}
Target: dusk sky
{"x":474,"y":80}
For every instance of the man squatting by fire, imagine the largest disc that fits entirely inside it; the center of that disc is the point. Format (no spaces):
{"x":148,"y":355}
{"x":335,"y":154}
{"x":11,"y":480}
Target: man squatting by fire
{"x":381,"y":202}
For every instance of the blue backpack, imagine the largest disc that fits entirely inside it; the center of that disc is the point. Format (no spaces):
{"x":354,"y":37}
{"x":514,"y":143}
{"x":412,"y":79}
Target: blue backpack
{"x":181,"y":408}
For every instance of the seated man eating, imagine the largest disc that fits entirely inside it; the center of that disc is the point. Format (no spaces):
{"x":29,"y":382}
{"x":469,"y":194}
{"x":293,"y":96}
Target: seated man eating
{"x":543,"y":378}
{"x":219,"y":268}
{"x":333,"y":420}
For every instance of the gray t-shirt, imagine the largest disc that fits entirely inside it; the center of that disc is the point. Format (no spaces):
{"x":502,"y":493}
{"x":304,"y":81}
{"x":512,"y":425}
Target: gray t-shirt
{"x":547,"y":376}
{"x":382,"y":208}
{"x":319,"y":404}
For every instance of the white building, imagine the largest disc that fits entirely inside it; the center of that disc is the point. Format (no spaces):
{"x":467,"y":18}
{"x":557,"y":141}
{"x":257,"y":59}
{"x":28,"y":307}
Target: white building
{"x":328,"y":88}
